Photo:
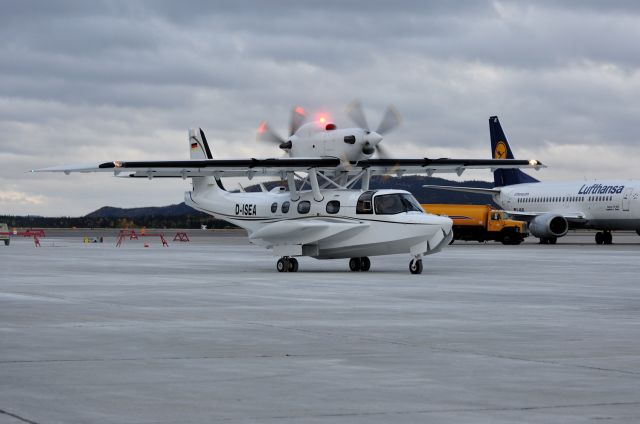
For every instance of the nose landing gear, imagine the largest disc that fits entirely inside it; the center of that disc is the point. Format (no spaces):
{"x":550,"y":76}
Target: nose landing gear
{"x":287,"y":264}
{"x":415,"y":266}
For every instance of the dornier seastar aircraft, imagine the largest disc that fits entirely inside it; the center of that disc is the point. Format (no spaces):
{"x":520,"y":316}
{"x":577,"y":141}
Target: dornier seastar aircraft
{"x":551,"y":208}
{"x":319,"y":213}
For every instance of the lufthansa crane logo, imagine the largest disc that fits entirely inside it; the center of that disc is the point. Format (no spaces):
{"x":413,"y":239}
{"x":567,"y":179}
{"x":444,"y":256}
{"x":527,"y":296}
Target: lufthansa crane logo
{"x":501,"y":150}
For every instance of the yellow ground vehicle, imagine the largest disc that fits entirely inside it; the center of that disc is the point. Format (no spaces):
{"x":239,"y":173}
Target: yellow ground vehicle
{"x":481,"y":223}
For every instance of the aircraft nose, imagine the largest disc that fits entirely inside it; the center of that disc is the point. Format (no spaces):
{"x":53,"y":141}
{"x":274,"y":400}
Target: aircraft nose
{"x":445,"y":223}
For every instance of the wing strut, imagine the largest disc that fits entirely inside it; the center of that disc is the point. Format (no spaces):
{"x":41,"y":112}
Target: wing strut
{"x":291,"y":179}
{"x":315,"y":187}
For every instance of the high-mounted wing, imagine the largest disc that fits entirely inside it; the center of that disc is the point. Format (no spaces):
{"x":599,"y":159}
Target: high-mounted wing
{"x":280,"y":166}
{"x":442,"y":165}
{"x":202,"y":168}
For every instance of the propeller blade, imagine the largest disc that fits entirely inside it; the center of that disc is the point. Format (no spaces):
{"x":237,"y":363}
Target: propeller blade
{"x":390,"y":120}
{"x":298,"y":118}
{"x":383,"y":153}
{"x":355,"y":112}
{"x":266,"y":133}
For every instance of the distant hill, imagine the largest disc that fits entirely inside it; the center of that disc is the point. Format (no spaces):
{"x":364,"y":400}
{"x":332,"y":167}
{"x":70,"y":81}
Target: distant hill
{"x":412,"y":184}
{"x":182,"y":216}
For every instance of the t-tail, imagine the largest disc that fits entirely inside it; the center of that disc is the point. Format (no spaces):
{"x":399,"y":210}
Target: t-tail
{"x":500,"y":149}
{"x":199,"y":150}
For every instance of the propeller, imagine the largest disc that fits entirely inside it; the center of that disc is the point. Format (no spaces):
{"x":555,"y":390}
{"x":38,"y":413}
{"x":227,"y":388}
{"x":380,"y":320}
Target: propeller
{"x":266,"y":133}
{"x":390,"y":120}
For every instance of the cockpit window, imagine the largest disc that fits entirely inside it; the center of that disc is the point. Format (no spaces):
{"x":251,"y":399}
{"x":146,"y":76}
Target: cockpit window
{"x":390,"y":204}
{"x":364,"y":204}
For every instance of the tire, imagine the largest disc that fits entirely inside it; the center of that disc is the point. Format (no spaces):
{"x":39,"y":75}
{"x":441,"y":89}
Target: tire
{"x":608,"y":238}
{"x":507,"y":239}
{"x":365,"y":264}
{"x":354,"y":264}
{"x":544,"y":240}
{"x":6,"y":242}
{"x":293,"y":265}
{"x":281,"y":266}
{"x":553,"y":240}
{"x":415,"y":266}
{"x":599,"y":237}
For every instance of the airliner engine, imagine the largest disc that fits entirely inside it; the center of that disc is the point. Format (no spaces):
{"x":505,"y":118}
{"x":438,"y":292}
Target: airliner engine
{"x":548,"y":225}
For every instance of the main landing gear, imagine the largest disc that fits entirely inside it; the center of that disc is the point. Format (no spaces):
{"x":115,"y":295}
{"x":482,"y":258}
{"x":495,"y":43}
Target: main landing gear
{"x":604,"y":237}
{"x":287,"y":264}
{"x":548,"y":240}
{"x":359,"y":264}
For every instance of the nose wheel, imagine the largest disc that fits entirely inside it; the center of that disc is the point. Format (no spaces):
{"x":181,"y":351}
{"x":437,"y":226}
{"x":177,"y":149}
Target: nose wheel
{"x":287,"y":264}
{"x":359,"y":264}
{"x":415,"y":266}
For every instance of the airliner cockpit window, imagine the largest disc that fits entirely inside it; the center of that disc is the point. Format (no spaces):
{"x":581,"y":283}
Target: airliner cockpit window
{"x":390,"y":204}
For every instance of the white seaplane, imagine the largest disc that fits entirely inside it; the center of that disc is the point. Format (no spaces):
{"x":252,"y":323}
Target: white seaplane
{"x":318,"y":212}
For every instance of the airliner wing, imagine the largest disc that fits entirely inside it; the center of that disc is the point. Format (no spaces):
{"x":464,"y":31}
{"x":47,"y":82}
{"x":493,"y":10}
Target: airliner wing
{"x":280,"y":166}
{"x":476,"y":190}
{"x":571,"y":216}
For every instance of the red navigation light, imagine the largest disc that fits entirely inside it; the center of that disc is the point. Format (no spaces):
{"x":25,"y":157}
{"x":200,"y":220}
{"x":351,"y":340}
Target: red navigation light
{"x":262,"y":127}
{"x":299,"y":110}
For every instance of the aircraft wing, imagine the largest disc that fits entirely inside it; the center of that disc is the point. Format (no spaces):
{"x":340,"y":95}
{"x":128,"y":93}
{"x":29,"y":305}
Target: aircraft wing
{"x":280,"y":166}
{"x":571,"y":216}
{"x":202,"y":168}
{"x":441,"y":165}
{"x":476,"y":190}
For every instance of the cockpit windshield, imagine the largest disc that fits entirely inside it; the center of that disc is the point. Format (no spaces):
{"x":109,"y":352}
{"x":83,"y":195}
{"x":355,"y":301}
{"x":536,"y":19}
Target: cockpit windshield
{"x":391,"y":204}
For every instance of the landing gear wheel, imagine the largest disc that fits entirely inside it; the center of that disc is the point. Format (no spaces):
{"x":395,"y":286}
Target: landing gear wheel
{"x":293,"y":265}
{"x":354,"y":264}
{"x":415,"y":266}
{"x":365,"y":264}
{"x":282,"y":265}
{"x":544,"y":240}
{"x":553,"y":240}
{"x":608,"y":237}
{"x":599,"y":237}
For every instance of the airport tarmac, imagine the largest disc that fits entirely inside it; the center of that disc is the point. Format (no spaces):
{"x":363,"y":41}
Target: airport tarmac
{"x":208,"y":331}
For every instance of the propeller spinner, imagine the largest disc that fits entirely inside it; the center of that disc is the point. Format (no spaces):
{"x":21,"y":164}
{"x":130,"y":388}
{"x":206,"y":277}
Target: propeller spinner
{"x":266,"y":133}
{"x":390,"y":120}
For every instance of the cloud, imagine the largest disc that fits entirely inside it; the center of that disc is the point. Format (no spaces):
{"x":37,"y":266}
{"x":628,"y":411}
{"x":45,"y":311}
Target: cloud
{"x":106,"y":80}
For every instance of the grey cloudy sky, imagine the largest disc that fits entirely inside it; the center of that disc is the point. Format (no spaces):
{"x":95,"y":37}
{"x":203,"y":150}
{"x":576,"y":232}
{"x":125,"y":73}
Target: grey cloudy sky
{"x":122,"y":80}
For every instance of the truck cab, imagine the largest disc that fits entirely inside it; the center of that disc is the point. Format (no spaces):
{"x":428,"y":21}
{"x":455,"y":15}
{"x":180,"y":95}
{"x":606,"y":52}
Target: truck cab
{"x":481,"y":223}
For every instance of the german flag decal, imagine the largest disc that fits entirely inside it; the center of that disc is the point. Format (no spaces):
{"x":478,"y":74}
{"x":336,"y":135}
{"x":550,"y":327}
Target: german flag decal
{"x":194,"y":145}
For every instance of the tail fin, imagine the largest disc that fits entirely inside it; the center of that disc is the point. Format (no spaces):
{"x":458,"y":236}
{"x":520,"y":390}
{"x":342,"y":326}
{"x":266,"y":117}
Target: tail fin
{"x":199,"y":149}
{"x":500,"y":149}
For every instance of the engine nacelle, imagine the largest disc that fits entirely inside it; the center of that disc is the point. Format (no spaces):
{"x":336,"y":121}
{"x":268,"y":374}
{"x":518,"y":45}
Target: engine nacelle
{"x":548,"y":225}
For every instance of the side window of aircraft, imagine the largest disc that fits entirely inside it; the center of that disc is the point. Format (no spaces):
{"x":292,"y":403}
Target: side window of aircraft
{"x":365,"y":204}
{"x":285,"y":207}
{"x":333,"y":206}
{"x":304,"y":207}
{"x":274,"y":207}
{"x":350,"y":139}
